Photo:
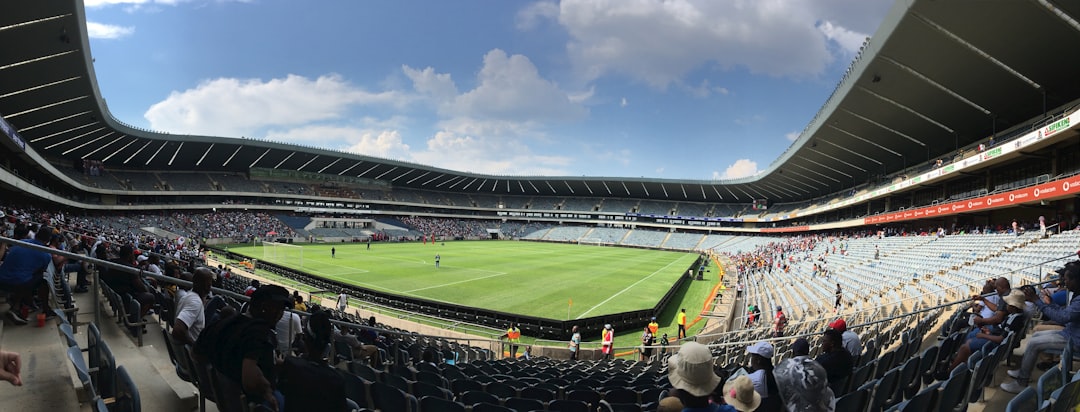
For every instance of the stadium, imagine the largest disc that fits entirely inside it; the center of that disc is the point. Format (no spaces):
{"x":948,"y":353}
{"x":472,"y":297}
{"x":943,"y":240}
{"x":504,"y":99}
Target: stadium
{"x":947,"y":156}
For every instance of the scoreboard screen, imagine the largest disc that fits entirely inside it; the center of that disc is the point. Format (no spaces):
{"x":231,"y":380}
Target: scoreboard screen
{"x":761,"y":204}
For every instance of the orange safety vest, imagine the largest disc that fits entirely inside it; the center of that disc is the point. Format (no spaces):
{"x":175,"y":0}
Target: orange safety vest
{"x":513,"y":334}
{"x":654,"y":327}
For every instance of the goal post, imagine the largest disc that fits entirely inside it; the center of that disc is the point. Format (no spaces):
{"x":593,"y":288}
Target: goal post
{"x":283,"y":253}
{"x":591,"y":241}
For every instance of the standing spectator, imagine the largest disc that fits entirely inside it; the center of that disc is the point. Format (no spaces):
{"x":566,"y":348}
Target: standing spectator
{"x":663,"y":344}
{"x":513,"y":336}
{"x":342,"y":301}
{"x":779,"y":323}
{"x":22,"y":274}
{"x":681,"y":320}
{"x":646,"y":344}
{"x":575,"y":343}
{"x":1050,"y":339}
{"x":607,"y":339}
{"x":839,"y":297}
{"x":437,"y":259}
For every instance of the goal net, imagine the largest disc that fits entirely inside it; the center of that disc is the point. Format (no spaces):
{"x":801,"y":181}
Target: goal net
{"x":283,"y":254}
{"x":591,"y":241}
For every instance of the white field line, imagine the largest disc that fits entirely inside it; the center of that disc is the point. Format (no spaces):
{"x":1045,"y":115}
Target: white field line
{"x":456,"y":283}
{"x":626,"y":289}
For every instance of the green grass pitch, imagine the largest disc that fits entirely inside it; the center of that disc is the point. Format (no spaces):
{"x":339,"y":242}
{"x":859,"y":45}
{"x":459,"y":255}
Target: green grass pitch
{"x":527,"y":278}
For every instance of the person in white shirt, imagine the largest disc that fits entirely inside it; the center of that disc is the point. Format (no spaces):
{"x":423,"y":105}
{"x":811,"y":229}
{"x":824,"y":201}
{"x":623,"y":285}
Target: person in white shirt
{"x":342,"y":301}
{"x":190,"y":315}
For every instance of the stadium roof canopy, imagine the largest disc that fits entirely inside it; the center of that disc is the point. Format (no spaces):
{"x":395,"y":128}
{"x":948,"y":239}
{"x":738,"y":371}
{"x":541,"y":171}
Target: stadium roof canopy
{"x":936,"y":76}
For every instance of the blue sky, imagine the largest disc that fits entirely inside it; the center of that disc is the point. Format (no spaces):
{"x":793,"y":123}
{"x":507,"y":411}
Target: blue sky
{"x":682,"y":89}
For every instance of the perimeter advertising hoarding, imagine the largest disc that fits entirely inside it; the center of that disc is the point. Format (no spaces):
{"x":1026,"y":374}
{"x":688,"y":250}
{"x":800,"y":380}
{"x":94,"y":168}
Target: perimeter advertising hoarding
{"x":13,"y":139}
{"x":1056,"y":189}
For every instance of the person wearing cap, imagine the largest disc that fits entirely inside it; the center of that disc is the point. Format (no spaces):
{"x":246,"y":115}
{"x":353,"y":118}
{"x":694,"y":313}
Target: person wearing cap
{"x":690,"y":372}
{"x":835,"y":359}
{"x":242,"y":347}
{"x":654,"y":327}
{"x":761,"y":374}
{"x":607,"y":340}
{"x":779,"y":322}
{"x":989,"y":335}
{"x":1050,"y":339}
{"x":803,"y":386}
{"x":852,"y":341}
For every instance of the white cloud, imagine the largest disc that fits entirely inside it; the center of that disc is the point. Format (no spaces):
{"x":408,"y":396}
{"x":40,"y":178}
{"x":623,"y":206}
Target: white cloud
{"x":704,"y":89}
{"x":490,"y":147}
{"x":638,"y":38}
{"x":624,"y":103}
{"x":791,"y":136}
{"x":741,"y":168}
{"x":848,"y":40}
{"x":509,"y":87}
{"x":236,"y":107}
{"x":107,"y":31}
{"x":369,"y":142}
{"x":531,"y":16}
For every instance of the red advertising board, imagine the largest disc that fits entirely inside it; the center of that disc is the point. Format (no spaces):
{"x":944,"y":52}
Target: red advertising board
{"x":1056,"y":189}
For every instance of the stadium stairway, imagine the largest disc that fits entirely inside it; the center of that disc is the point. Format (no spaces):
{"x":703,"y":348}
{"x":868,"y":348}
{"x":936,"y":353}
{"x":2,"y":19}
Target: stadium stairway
{"x":47,"y":374}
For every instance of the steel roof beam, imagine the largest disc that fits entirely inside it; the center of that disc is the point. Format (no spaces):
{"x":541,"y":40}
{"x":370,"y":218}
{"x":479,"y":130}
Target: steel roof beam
{"x":331,"y":164}
{"x":59,"y":119}
{"x":350,"y":168}
{"x":106,"y":158}
{"x":137,"y":152}
{"x":232,"y":155}
{"x":931,"y":82}
{"x":865,"y":140}
{"x":976,"y":50}
{"x":258,"y":159}
{"x":283,"y":160}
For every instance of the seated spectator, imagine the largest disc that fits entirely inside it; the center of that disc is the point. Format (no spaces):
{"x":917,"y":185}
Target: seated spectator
{"x":22,"y":273}
{"x":852,"y":341}
{"x":740,"y":395}
{"x":989,"y":335}
{"x":835,"y":359}
{"x":761,"y":374}
{"x":190,"y":318}
{"x":309,"y":383}
{"x":241,"y":347}
{"x":286,"y":329}
{"x":1050,"y":339}
{"x":801,"y":347}
{"x":803,"y":386}
{"x":123,"y":282}
{"x":992,"y":313}
{"x":690,"y":372}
